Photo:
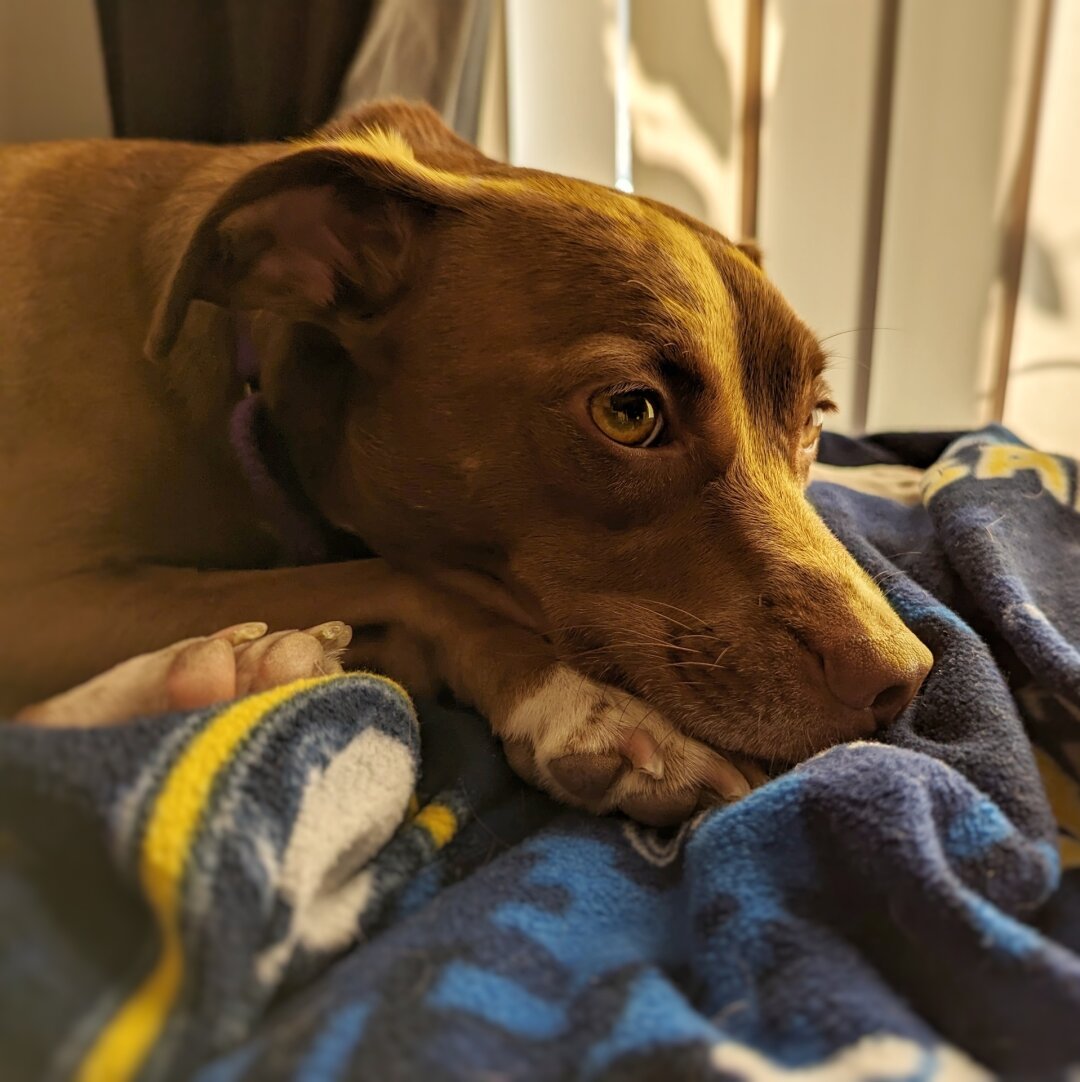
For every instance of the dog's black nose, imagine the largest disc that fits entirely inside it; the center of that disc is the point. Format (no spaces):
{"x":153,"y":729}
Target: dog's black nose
{"x":881,"y":677}
{"x":889,"y":704}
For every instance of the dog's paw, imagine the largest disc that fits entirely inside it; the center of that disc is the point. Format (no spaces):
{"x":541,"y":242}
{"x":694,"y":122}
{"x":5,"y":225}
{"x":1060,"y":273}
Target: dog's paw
{"x":195,"y":673}
{"x":598,"y":748}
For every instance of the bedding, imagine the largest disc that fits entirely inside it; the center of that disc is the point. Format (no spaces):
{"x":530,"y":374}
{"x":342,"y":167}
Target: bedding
{"x":308,"y":884}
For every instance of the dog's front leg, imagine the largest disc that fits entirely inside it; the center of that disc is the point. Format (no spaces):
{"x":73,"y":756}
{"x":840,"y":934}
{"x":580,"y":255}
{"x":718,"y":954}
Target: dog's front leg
{"x":586,"y":743}
{"x":195,"y":673}
{"x":60,"y":633}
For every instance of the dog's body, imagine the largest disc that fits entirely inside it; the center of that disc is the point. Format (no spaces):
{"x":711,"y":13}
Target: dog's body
{"x":436,"y":331}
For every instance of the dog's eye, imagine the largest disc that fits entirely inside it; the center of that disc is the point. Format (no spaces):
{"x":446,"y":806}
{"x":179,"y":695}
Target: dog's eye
{"x":812,"y":428}
{"x":632,"y":418}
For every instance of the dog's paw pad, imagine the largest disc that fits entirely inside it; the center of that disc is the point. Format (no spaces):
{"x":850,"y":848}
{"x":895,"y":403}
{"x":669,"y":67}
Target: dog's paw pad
{"x":588,"y":775}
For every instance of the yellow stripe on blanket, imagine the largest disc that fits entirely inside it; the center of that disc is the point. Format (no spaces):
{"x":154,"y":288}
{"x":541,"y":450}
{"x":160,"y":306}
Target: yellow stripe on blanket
{"x":124,"y":1044}
{"x":1064,"y":798}
{"x":439,"y":821}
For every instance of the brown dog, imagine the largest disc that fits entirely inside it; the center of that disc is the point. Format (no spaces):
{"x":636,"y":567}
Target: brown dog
{"x":587,"y":401}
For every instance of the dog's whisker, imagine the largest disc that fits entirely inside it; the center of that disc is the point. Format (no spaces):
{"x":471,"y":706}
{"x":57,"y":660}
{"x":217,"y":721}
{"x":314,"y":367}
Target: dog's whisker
{"x":853,"y":330}
{"x":570,"y":628}
{"x":647,"y":606}
{"x":887,"y":574}
{"x":609,"y":648}
{"x":696,"y":665}
{"x":645,"y":603}
{"x":662,"y":644}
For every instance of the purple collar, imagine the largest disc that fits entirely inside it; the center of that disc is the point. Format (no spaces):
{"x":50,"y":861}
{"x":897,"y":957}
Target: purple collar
{"x":305,"y":536}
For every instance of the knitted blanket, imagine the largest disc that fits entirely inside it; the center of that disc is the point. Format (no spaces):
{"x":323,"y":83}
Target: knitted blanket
{"x":308,"y":885}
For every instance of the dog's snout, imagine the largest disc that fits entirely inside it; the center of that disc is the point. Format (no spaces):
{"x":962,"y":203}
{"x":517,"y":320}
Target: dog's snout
{"x":881,"y":678}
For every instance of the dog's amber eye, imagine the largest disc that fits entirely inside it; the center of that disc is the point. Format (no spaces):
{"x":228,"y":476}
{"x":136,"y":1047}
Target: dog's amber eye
{"x":812,"y":429}
{"x":632,"y":418}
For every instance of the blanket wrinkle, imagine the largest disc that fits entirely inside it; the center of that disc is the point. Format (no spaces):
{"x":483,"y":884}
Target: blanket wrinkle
{"x":310,"y":885}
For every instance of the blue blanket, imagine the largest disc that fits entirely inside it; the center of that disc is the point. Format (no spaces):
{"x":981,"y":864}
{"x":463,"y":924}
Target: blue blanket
{"x":308,"y":885}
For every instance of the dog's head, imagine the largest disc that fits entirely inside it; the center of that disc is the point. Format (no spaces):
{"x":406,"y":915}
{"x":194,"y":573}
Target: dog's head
{"x":588,"y":396}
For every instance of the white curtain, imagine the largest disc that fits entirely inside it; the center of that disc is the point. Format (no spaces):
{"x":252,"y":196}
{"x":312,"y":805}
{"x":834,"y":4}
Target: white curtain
{"x":964,"y":72}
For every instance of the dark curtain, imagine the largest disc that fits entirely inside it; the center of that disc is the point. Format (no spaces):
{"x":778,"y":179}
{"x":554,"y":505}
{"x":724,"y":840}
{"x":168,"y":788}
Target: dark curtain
{"x":224,"y":71}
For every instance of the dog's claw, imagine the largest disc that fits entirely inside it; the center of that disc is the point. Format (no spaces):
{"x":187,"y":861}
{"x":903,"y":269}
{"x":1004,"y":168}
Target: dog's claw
{"x":726,"y":780}
{"x":242,"y":633}
{"x":589,"y":775}
{"x":334,"y":634}
{"x":644,"y":754}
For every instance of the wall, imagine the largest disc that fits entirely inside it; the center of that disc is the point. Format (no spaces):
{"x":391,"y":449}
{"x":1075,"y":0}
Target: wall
{"x":52,"y":84}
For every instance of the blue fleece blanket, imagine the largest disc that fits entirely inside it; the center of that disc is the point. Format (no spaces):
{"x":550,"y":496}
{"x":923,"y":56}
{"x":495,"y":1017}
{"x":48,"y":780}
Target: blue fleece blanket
{"x":307,"y":885}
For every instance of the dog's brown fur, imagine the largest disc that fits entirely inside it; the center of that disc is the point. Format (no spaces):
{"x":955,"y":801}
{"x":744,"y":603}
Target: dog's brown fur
{"x":431,"y":325}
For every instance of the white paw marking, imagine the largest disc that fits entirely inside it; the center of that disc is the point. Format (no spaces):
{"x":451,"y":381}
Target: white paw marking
{"x":570,"y":714}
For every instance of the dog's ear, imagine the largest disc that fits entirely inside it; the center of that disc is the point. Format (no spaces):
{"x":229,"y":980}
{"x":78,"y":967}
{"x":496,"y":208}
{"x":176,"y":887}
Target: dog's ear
{"x":326,"y":229}
{"x":302,"y":236}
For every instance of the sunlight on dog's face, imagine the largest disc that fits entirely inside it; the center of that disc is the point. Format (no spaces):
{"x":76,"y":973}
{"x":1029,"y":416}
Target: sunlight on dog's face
{"x":614,"y":413}
{"x":586,"y":396}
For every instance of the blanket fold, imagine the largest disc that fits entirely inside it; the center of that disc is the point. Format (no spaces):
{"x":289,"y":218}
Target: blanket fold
{"x":308,"y":885}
